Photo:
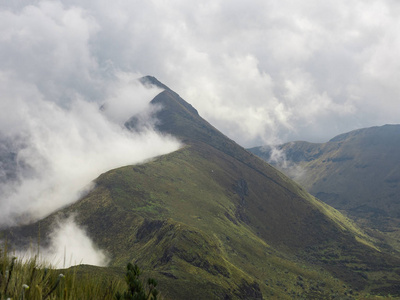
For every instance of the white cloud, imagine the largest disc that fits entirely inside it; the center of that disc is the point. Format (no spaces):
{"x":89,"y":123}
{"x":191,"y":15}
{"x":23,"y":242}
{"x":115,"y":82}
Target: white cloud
{"x":68,"y":245}
{"x":48,"y":45}
{"x":66,"y":148}
{"x":52,"y":83}
{"x":339,"y":46}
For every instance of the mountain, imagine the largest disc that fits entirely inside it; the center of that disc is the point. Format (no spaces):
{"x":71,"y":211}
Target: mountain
{"x":356,"y":172}
{"x":8,"y":160}
{"x":213,"y":221}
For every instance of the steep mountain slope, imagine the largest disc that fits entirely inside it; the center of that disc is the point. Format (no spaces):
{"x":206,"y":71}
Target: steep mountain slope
{"x":214,"y":221}
{"x":358,"y":171}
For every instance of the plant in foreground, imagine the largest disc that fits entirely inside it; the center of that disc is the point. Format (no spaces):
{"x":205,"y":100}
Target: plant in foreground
{"x":135,"y":289}
{"x":31,"y":280}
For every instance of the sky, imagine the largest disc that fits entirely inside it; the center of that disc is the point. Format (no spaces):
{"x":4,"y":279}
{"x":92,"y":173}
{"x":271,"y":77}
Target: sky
{"x":261,"y":71}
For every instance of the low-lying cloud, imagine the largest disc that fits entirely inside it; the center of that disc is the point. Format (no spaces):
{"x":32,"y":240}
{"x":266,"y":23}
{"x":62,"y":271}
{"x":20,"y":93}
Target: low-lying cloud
{"x":276,"y":156}
{"x":262,"y":72}
{"x":62,"y":115}
{"x":68,"y":245}
{"x":62,"y":110}
{"x":63,"y":149}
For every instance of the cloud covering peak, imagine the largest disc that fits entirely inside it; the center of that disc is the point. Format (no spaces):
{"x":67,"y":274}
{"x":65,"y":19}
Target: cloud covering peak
{"x":52,"y":129}
{"x":259,"y":71}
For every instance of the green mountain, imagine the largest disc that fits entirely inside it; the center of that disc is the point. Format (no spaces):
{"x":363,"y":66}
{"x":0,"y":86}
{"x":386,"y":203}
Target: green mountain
{"x":356,"y":172}
{"x":213,"y":221}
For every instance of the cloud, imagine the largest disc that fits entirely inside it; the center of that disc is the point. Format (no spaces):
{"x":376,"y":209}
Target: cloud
{"x":63,"y":149}
{"x":238,"y":63}
{"x":47,"y":45}
{"x":276,"y":156}
{"x":68,"y":245}
{"x":321,"y":48}
{"x":51,"y":126}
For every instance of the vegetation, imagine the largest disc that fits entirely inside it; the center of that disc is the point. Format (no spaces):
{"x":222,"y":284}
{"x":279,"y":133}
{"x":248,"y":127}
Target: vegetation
{"x":31,"y":279}
{"x":136,"y":289}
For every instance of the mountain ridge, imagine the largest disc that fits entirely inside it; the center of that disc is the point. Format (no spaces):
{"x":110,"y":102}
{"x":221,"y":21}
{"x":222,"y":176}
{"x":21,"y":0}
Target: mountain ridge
{"x":361,"y":153}
{"x":356,"y":172}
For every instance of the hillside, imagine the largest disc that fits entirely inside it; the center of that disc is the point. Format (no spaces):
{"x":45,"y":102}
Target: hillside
{"x":356,"y":172}
{"x":213,"y":221}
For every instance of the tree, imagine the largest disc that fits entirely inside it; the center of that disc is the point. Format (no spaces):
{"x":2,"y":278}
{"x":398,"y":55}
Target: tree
{"x":135,"y":289}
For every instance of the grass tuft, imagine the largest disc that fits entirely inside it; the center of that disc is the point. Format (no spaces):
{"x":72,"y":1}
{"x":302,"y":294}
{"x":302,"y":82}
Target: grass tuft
{"x":35,"y":280}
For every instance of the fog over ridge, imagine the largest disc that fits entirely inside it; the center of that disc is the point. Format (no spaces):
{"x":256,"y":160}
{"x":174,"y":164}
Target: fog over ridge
{"x":262,"y":72}
{"x":68,"y":245}
{"x":63,"y":149}
{"x":56,"y":150}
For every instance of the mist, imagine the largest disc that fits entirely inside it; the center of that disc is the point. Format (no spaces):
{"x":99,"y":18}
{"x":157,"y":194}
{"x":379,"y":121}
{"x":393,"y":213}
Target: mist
{"x":68,"y":245}
{"x":54,"y":151}
{"x":62,"y":116}
{"x":263,"y":72}
{"x":62,"y":110}
{"x":63,"y":149}
{"x":276,"y":156}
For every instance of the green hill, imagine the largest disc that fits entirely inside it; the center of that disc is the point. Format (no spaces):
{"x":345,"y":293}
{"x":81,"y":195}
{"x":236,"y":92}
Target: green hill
{"x":213,"y":221}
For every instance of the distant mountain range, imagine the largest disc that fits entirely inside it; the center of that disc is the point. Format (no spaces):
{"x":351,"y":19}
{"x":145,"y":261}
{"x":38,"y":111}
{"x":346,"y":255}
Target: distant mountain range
{"x":213,"y":221}
{"x":356,"y":172}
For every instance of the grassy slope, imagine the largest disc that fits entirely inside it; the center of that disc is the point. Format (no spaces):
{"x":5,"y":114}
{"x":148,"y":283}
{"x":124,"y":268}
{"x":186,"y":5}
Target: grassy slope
{"x":213,"y":221}
{"x":170,"y":215}
{"x":181,"y":216}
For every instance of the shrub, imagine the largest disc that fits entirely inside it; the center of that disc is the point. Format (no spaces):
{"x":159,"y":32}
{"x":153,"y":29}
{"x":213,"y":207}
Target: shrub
{"x":135,"y":289}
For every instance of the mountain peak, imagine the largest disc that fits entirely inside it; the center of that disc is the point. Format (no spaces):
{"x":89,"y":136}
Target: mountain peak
{"x":151,"y":80}
{"x":179,"y":118}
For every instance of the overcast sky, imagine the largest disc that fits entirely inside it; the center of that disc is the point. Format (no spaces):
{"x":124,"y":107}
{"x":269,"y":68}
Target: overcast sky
{"x":261,"y":71}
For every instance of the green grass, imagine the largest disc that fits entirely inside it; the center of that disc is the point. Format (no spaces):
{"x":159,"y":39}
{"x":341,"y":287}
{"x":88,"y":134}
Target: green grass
{"x":177,"y":217}
{"x":31,"y":279}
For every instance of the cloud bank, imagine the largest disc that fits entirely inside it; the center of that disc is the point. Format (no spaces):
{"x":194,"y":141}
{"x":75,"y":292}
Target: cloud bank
{"x":62,"y":150}
{"x":261,"y":72}
{"x":52,"y":87}
{"x":62,"y":115}
{"x":69,"y":245}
